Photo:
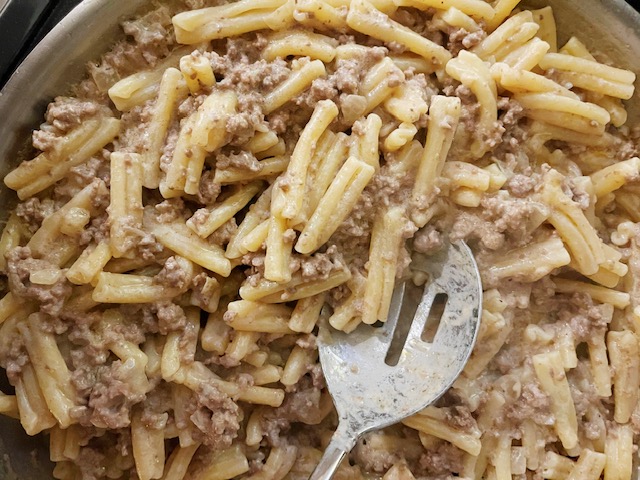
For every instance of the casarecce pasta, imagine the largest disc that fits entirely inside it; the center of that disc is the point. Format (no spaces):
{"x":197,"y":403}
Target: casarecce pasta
{"x":233,"y":175}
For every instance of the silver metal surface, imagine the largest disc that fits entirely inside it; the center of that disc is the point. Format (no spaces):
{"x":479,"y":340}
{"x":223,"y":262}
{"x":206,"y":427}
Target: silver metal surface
{"x":368,"y":392}
{"x":608,"y":26}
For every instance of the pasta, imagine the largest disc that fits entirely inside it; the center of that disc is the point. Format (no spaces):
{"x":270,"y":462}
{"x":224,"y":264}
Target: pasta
{"x":273,"y":166}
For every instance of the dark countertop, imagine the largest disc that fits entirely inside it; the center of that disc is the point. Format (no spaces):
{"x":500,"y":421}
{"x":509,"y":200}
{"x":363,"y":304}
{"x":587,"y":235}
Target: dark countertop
{"x":22,"y":24}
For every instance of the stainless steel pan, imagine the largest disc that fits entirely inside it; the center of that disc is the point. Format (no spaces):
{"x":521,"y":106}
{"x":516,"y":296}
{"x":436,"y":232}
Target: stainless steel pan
{"x":611,"y":27}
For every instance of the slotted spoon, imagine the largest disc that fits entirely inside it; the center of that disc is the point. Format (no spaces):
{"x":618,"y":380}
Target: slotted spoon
{"x":370,"y":388}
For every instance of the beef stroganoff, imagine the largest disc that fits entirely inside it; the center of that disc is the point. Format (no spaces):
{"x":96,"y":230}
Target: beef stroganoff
{"x":231,"y":175}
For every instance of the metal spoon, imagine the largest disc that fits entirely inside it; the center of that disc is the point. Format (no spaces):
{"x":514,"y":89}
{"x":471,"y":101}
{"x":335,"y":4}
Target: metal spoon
{"x":376,"y":379}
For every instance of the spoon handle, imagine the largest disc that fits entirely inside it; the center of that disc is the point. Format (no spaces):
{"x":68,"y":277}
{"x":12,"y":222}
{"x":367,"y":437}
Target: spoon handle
{"x":341,"y":443}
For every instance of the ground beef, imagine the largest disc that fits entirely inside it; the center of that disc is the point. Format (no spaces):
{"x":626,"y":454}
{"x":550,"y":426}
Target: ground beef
{"x":83,"y":378}
{"x":89,"y":350}
{"x":200,"y":218}
{"x":97,"y":167}
{"x":390,"y":186}
{"x":224,"y":233}
{"x":170,"y":316}
{"x":45,"y":139}
{"x":532,"y":404}
{"x":171,"y":210}
{"x":208,"y":190}
{"x":470,"y":226}
{"x":148,"y":248}
{"x":344,"y":81}
{"x":190,"y":105}
{"x":322,"y":89}
{"x":308,"y":341}
{"x":320,"y":265}
{"x":50,"y":298}
{"x":214,"y":416}
{"x":315,"y":267}
{"x":169,"y":146}
{"x":626,"y":148}
{"x":521,"y":185}
{"x":373,"y":450}
{"x":461,"y":39}
{"x":112,"y":396}
{"x":287,"y":122}
{"x":96,"y":231}
{"x":33,"y":211}
{"x":13,"y":355}
{"x":583,"y":317}
{"x":135,"y":126}
{"x":349,"y":73}
{"x":510,"y":111}
{"x":513,"y":216}
{"x":174,"y":275}
{"x":156,"y":407}
{"x":470,"y":106}
{"x":142,"y":316}
{"x":256,"y":263}
{"x":374,"y":459}
{"x":243,"y":160}
{"x":459,"y":417}
{"x":583,"y":391}
{"x":66,"y":113}
{"x":123,"y":60}
{"x":242,"y":70}
{"x":427,"y":240}
{"x":129,"y":330}
{"x":249,"y":118}
{"x":442,"y":460}
{"x":468,"y":135}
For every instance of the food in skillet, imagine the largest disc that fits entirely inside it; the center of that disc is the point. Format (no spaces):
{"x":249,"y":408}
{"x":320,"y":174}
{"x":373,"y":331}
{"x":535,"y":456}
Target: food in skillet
{"x":229,"y":176}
